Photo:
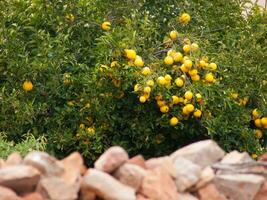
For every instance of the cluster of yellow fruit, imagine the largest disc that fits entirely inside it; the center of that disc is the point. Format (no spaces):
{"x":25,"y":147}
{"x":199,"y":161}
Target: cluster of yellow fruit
{"x":260,"y":122}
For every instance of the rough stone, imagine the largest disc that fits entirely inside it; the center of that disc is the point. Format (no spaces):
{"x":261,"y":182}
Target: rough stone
{"x":112,"y":159}
{"x":187,"y":196}
{"x":20,"y":178}
{"x":207,"y":150}
{"x":210,"y":192}
{"x":138,"y":160}
{"x":33,"y":196}
{"x":141,"y":197}
{"x":206,"y":176}
{"x":8,"y":194}
{"x":236,"y":157}
{"x":13,"y":159}
{"x":262,"y":194}
{"x":87,"y":194}
{"x":106,"y":187}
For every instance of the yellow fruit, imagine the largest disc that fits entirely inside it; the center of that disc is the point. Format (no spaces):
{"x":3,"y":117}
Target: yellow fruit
{"x":130,"y":54}
{"x":194,"y":47}
{"x":137,"y":87}
{"x":264,"y":122}
{"x":209,"y":78}
{"x":175,"y":67}
{"x":27,"y":86}
{"x":213,"y":66}
{"x":138,"y":62}
{"x":181,"y":99}
{"x":257,"y":123}
{"x":161,"y":103}
{"x":179,"y":82}
{"x":198,"y":96}
{"x":193,"y":72}
{"x":70,"y":103}
{"x":70,"y":17}
{"x":146,"y":95}
{"x":254,"y":156}
{"x":147,"y":89}
{"x":184,"y":18}
{"x":197,"y":113}
{"x":175,"y":99}
{"x":234,"y":95}
{"x":164,"y":109}
{"x":91,"y":130}
{"x":190,"y":108}
{"x":185,"y":111}
{"x":106,"y":26}
{"x":168,"y":78}
{"x":162,"y":81}
{"x":258,"y":133}
{"x":150,"y":83}
{"x":171,"y":52}
{"x":195,"y":77}
{"x":142,"y":99}
{"x":186,"y":48}
{"x":82,"y":126}
{"x":202,"y":63}
{"x":185,"y":101}
{"x":188,"y":64}
{"x":184,"y":69}
{"x":146,"y":71}
{"x":177,"y":57}
{"x":168,"y":60}
{"x":173,"y":35}
{"x":114,"y":63}
{"x":188,"y":95}
{"x":174,"y":121}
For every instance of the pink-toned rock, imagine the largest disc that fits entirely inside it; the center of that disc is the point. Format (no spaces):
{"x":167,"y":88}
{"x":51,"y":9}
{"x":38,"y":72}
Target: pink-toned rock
{"x":210,"y":192}
{"x":263,"y":157}
{"x":138,"y":160}
{"x":87,"y":194}
{"x":206,"y":176}
{"x":33,"y":196}
{"x":46,"y":164}
{"x":106,"y":187}
{"x":112,"y":159}
{"x":2,"y":163}
{"x":131,"y":175}
{"x":72,"y":167}
{"x":141,"y":197}
{"x":262,"y":194}
{"x":20,"y":178}
{"x":8,"y":194}
{"x":203,"y":153}
{"x":239,"y":186}
{"x":235,"y":157}
{"x":187,"y":196}
{"x":158,"y":185}
{"x":55,"y":188}
{"x":13,"y":159}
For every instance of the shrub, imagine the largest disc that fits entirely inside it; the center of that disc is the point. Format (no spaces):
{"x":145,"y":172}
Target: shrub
{"x":82,"y":97}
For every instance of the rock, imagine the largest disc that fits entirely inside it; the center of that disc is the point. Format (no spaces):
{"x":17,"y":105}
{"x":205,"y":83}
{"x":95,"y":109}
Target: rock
{"x":207,"y":150}
{"x":87,"y":194}
{"x":2,"y":163}
{"x":210,"y":192}
{"x":20,"y":178}
{"x":235,"y":157}
{"x":263,"y":157}
{"x":262,"y":194}
{"x":158,"y":185}
{"x":112,"y":159}
{"x":7,"y":194}
{"x":13,"y":159}
{"x":45,"y":163}
{"x":131,"y":175}
{"x":141,"y":197}
{"x":73,"y":165}
{"x":33,"y":196}
{"x":239,"y":186}
{"x":106,"y":187}
{"x":187,"y":196}
{"x":187,"y":173}
{"x":54,"y":188}
{"x":206,"y":176}
{"x":138,"y":160}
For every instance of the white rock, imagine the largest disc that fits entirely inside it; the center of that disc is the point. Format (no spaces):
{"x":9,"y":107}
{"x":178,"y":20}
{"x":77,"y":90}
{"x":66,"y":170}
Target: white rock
{"x":236,"y":157}
{"x":206,"y":176}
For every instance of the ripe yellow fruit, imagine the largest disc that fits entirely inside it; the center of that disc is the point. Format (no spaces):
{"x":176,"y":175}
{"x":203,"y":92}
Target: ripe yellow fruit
{"x":106,"y":26}
{"x":234,"y":95}
{"x":164,"y":109}
{"x":195,"y":77}
{"x":177,"y":57}
{"x":168,"y":60}
{"x":146,"y":71}
{"x":209,"y":78}
{"x":184,"y":18}
{"x":197,"y":113}
{"x":171,"y":52}
{"x":168,"y":78}
{"x":213,"y":66}
{"x":137,"y":87}
{"x":150,"y":83}
{"x":186,"y":48}
{"x":258,"y":133}
{"x":114,"y":63}
{"x":70,"y":17}
{"x":188,"y":95}
{"x":202,"y":64}
{"x":255,"y":113}
{"x":181,"y":99}
{"x":198,"y":96}
{"x":161,"y":103}
{"x":175,"y":99}
{"x":185,"y":111}
{"x":174,"y":121}
{"x":184,"y":69}
{"x":194,"y":47}
{"x":173,"y":35}
{"x":147,"y":89}
{"x":130,"y":54}
{"x":82,"y":126}
{"x":91,"y":130}
{"x":257,"y":123}
{"x":264,"y":122}
{"x":142,"y":99}
{"x":27,"y":86}
{"x":190,"y":108}
{"x":179,"y":82}
{"x":161,"y":81}
{"x":193,"y":72}
{"x":188,"y":64}
{"x":138,"y":61}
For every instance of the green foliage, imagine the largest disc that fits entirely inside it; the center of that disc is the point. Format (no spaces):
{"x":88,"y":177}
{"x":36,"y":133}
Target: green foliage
{"x":60,"y":48}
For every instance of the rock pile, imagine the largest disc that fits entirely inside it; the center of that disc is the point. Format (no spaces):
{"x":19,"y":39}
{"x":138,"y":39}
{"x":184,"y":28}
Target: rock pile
{"x":200,"y":171}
